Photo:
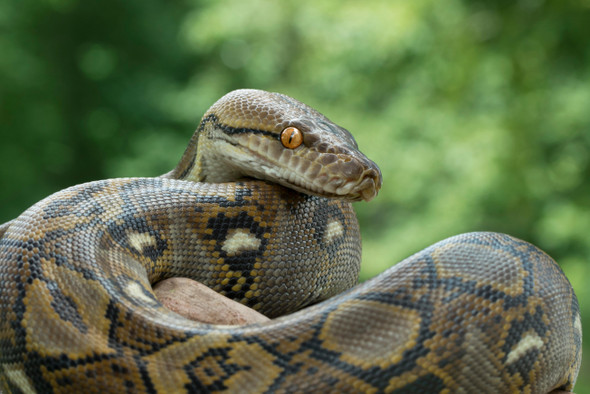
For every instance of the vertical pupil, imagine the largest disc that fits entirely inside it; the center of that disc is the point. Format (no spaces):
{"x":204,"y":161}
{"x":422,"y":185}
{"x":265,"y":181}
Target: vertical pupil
{"x":291,"y":137}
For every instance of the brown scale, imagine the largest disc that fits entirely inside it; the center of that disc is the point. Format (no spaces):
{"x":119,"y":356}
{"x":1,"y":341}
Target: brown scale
{"x":479,"y":312}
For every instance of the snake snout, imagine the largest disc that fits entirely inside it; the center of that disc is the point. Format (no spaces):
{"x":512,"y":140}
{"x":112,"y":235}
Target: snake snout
{"x":358,"y":179}
{"x":370,"y":185}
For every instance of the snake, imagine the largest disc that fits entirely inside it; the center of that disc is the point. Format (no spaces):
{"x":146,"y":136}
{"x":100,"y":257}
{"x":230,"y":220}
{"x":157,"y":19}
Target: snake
{"x":259,"y":208}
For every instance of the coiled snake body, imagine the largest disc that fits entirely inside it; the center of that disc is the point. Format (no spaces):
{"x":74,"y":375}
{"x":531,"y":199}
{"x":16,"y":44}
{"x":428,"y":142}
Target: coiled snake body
{"x":476,"y":312}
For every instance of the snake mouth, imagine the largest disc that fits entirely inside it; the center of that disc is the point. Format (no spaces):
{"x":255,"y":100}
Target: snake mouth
{"x":369,"y":186}
{"x":364,"y":187}
{"x":343,"y":176}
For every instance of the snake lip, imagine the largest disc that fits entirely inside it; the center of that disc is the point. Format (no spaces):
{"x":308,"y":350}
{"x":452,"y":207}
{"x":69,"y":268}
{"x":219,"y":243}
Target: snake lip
{"x":362,"y":183}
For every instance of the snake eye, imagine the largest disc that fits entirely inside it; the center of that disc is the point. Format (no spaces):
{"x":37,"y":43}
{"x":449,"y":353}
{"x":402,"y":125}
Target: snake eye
{"x":291,"y":137}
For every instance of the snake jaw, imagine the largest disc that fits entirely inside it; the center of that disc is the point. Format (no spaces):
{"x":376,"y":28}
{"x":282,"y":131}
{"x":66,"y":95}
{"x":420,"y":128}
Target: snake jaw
{"x":345,"y":175}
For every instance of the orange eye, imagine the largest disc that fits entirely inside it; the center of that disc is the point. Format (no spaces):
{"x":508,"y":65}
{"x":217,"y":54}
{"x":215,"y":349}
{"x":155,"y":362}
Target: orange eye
{"x":291,"y":137}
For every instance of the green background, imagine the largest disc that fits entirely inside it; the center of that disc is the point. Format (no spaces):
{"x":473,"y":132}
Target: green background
{"x":477,"y":112}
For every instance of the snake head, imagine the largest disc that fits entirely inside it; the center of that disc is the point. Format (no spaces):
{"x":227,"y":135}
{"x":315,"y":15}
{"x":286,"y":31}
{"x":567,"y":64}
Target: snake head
{"x":270,"y":136}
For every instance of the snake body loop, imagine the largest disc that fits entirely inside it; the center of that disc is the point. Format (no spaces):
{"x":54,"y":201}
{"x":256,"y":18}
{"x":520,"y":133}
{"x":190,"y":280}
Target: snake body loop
{"x":479,"y":312}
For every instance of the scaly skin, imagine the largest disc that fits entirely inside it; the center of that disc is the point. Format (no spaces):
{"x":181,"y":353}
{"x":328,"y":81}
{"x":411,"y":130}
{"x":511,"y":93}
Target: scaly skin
{"x":479,"y":312}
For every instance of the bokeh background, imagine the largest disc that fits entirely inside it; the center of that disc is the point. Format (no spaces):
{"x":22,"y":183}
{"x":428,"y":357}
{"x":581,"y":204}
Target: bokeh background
{"x":477,"y":112}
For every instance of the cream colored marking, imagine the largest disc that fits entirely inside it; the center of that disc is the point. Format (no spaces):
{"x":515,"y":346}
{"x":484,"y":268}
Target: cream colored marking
{"x":530,"y":341}
{"x":334,"y":230}
{"x":140,"y":240}
{"x":135,"y":290}
{"x":19,"y":378}
{"x":578,"y":325}
{"x":239,"y":240}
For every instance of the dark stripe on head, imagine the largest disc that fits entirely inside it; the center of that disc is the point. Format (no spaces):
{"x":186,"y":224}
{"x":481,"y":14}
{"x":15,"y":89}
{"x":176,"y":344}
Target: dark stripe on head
{"x":242,"y":130}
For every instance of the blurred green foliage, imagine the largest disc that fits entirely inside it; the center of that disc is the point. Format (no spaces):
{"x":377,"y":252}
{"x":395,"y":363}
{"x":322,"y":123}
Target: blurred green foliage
{"x":477,"y":112}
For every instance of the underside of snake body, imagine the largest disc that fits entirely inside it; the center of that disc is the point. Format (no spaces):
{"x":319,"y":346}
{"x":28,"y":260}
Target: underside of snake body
{"x":479,"y":312}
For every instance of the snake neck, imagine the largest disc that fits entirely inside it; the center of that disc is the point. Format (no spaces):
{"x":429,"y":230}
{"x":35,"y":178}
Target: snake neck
{"x":189,"y":166}
{"x":201,"y":162}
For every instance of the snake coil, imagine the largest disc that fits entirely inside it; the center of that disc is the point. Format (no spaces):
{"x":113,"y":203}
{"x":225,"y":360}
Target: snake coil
{"x":259,"y":209}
